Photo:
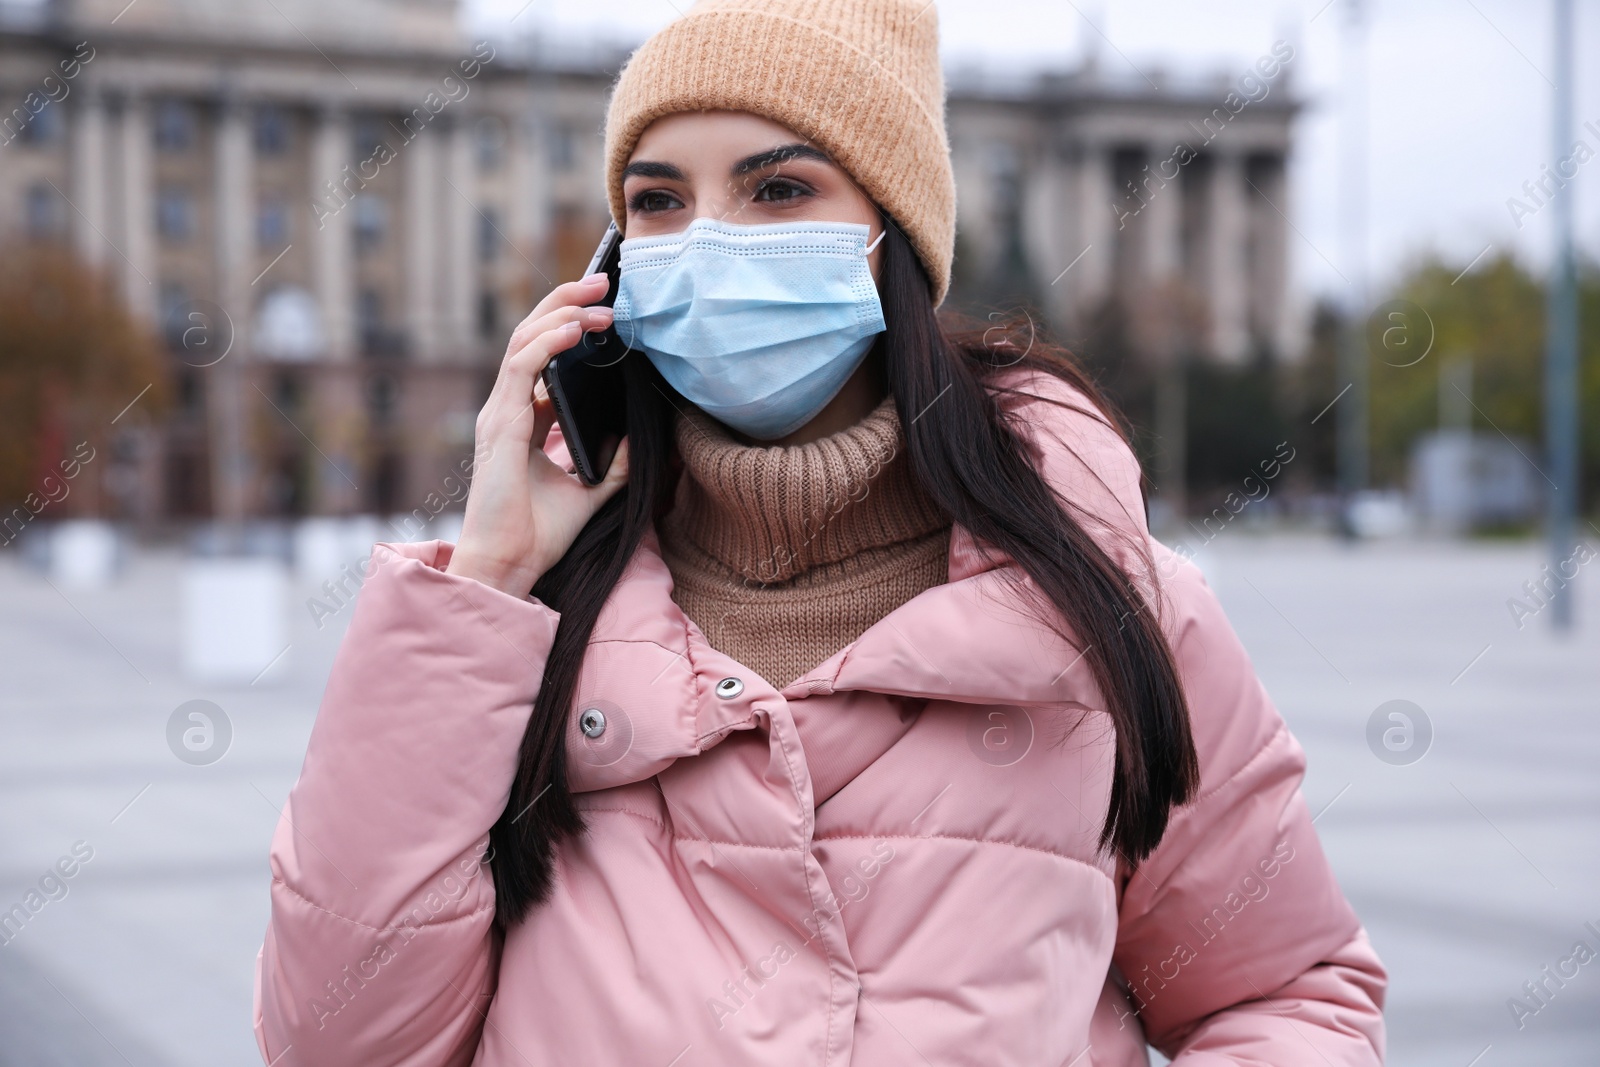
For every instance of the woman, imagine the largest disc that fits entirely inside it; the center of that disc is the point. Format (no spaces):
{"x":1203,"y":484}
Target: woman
{"x":854,"y":717}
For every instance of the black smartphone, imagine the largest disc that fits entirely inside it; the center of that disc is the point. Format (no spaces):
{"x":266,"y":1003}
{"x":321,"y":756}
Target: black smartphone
{"x":586,"y":382}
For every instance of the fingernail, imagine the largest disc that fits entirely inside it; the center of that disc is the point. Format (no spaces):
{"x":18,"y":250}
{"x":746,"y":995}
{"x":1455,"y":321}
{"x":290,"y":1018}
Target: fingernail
{"x":591,"y":279}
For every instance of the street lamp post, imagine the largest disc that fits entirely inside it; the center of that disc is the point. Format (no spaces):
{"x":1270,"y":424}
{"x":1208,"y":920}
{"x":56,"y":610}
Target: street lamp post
{"x":1352,"y":415}
{"x":1561,"y":338}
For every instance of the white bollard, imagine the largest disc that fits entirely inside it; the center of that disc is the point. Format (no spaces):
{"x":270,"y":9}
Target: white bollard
{"x":318,"y":549}
{"x":83,"y":553}
{"x":361,"y":532}
{"x":234,"y":617}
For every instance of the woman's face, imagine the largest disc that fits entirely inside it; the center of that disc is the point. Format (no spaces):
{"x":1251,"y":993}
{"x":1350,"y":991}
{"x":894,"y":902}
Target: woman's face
{"x":739,"y":168}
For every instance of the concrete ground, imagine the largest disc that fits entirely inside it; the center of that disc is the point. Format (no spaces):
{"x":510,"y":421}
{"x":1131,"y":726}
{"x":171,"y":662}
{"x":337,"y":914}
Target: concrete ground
{"x":1474,"y":867}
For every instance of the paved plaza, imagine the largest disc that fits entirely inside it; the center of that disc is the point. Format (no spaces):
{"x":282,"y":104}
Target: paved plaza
{"x":1475,"y":867}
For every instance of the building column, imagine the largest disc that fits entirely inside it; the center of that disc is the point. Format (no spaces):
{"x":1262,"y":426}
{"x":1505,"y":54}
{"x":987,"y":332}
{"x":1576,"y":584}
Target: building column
{"x":338,"y":412}
{"x":332,"y":269}
{"x":233,"y":474}
{"x":1047,"y":232}
{"x":1162,"y":218}
{"x":424,"y":196}
{"x":235,"y":200}
{"x":89,"y":175}
{"x":1227,"y":284}
{"x":1269,"y":282}
{"x":461,"y":231}
{"x":530,"y":192}
{"x":1096,"y":222}
{"x":138,"y":211}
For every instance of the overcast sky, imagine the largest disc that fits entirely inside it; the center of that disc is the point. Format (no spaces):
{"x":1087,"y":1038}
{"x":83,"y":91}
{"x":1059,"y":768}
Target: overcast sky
{"x":1460,"y":100}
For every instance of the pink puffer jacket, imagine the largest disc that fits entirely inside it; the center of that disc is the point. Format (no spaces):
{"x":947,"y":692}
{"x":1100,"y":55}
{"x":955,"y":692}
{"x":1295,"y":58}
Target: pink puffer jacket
{"x":890,"y":861}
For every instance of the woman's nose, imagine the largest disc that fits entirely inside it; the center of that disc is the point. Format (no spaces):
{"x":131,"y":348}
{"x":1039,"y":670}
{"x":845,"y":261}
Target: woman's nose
{"x":723,"y":205}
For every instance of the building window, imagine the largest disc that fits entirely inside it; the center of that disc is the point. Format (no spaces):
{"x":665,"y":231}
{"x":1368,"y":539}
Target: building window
{"x":383,"y":397}
{"x":174,"y":213}
{"x":46,"y":220}
{"x":175,"y":126}
{"x":174,"y":306}
{"x":492,"y":138}
{"x":287,"y":392}
{"x":488,"y":235}
{"x":563,"y":147}
{"x":388,"y":475}
{"x":272,"y":130}
{"x":191,"y":394}
{"x":188,"y":493}
{"x":378,"y":340}
{"x":488,"y":315}
{"x":369,"y":310}
{"x":272,"y":222}
{"x":41,"y":128}
{"x":1195,"y":184}
{"x":367,"y":134}
{"x":372,"y":221}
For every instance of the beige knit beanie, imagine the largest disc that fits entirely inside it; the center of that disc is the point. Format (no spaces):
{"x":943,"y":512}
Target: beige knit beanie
{"x":858,"y":78}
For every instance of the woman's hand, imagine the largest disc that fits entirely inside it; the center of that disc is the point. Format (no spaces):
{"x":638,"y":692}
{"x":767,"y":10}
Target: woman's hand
{"x":523,"y":511}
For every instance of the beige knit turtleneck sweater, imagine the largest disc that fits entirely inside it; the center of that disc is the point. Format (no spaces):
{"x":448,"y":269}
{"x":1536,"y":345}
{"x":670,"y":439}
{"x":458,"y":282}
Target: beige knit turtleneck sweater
{"x":783,"y":555}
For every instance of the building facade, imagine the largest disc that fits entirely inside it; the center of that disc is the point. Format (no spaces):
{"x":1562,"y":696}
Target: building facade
{"x":336,"y":211}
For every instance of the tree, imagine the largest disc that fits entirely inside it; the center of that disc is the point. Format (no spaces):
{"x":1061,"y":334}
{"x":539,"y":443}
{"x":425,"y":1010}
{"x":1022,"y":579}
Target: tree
{"x":71,"y":360}
{"x":1494,"y":316}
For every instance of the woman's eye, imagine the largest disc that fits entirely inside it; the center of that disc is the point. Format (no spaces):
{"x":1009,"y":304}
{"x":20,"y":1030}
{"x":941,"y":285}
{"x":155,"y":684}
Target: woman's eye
{"x":781,"y":189}
{"x":653,"y":200}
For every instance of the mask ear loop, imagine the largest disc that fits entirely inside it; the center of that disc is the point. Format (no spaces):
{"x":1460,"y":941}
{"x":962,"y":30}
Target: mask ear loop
{"x":879,"y":240}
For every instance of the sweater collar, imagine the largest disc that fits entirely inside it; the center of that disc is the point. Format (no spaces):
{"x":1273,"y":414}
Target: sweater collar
{"x":770,"y":513}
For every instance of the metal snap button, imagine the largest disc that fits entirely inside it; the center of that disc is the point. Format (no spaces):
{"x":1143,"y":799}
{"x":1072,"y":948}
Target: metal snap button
{"x":592,"y":722}
{"x":729,"y":688}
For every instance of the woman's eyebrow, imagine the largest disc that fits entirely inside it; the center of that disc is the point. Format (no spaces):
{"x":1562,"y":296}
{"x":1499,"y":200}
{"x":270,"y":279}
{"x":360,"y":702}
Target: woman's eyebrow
{"x":648,"y":169}
{"x":781,"y":154}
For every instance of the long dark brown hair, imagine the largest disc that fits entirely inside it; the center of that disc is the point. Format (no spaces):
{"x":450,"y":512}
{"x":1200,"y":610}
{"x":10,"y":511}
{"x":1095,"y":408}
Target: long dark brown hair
{"x":970,"y":459}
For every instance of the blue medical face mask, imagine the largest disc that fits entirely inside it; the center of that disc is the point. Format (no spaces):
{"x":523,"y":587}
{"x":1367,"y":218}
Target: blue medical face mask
{"x":758,"y":326}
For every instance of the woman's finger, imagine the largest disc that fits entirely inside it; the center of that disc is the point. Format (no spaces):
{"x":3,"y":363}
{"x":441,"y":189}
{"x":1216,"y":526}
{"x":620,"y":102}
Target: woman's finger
{"x":531,"y":360}
{"x":586,"y":319}
{"x":544,"y":417}
{"x":514,"y":388}
{"x":615,"y":478}
{"x":578,"y":293}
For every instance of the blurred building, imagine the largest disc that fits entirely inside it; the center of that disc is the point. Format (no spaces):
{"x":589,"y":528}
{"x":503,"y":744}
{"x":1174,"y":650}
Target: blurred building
{"x":356,"y":202}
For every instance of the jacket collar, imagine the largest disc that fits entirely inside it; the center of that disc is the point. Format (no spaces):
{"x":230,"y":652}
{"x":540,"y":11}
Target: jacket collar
{"x":976,"y":638}
{"x":971,"y":639}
